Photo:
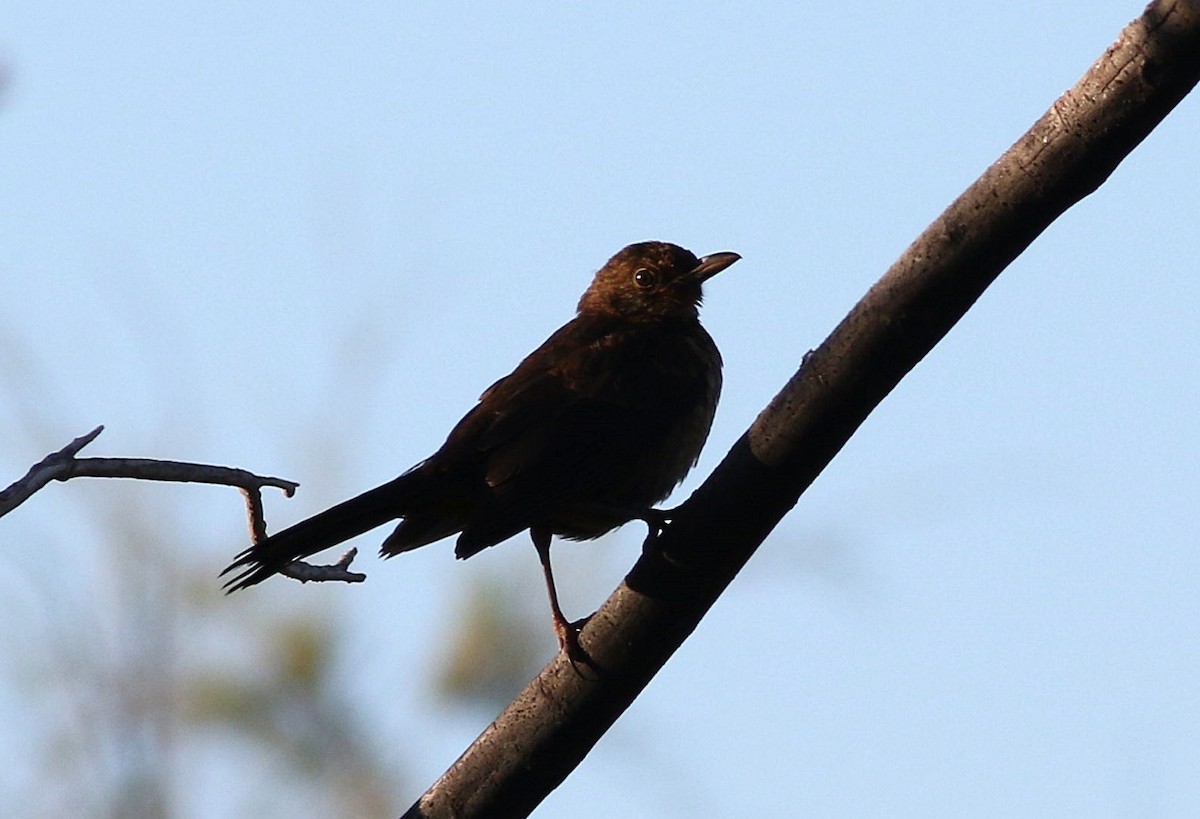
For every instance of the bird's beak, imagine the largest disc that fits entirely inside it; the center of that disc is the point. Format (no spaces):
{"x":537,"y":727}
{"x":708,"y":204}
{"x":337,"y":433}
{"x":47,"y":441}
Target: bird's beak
{"x":713,"y":264}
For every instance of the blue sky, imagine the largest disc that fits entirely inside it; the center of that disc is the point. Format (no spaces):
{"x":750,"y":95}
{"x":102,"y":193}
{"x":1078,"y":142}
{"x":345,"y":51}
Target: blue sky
{"x":302,"y":238}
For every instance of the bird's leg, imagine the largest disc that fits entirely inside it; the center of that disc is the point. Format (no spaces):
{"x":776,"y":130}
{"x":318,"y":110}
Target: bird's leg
{"x":568,"y":633}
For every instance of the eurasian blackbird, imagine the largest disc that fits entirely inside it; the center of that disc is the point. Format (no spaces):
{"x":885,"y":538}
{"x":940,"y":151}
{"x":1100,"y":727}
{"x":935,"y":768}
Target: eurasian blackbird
{"x":591,"y":430}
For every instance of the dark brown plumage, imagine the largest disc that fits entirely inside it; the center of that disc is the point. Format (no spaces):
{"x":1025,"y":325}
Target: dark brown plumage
{"x":591,"y":430}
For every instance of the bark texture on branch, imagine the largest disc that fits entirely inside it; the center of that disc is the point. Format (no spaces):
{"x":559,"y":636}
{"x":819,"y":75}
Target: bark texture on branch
{"x":544,"y":734}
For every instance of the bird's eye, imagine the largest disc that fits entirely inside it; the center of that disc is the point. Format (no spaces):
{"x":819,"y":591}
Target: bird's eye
{"x":644,"y":278}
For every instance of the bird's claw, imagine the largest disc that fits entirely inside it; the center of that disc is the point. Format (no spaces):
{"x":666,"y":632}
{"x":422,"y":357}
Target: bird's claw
{"x":568,"y":637}
{"x":656,"y":521}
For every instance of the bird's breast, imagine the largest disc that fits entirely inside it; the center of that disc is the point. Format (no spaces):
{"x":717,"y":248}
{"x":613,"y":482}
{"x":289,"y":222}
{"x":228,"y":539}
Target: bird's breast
{"x":674,"y":384}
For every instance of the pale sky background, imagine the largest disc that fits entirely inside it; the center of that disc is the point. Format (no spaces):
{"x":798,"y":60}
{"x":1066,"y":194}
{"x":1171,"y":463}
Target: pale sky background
{"x":301,"y":238}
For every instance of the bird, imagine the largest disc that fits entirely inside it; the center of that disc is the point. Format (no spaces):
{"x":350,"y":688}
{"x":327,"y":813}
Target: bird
{"x":590,"y":431}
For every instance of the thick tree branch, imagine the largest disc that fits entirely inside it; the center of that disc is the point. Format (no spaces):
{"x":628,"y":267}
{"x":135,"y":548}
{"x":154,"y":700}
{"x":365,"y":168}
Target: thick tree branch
{"x":548,"y":729}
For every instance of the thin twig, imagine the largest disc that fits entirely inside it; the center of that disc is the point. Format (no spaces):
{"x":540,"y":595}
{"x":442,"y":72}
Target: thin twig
{"x":41,"y":473}
{"x":63,"y":465}
{"x":297,"y":569}
{"x":340,"y":571}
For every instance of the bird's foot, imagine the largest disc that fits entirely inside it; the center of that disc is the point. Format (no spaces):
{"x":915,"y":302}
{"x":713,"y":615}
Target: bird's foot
{"x":656,"y":521}
{"x":568,"y":637}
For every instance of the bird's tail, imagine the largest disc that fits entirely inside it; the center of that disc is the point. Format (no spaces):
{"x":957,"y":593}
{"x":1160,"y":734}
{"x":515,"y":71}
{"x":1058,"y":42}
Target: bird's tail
{"x":337,"y":524}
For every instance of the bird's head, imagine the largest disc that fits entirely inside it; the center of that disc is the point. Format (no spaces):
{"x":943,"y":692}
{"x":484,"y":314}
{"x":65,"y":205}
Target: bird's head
{"x":652,"y":281}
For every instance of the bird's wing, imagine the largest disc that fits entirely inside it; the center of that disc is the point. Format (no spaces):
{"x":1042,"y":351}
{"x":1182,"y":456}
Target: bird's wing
{"x":559,"y":428}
